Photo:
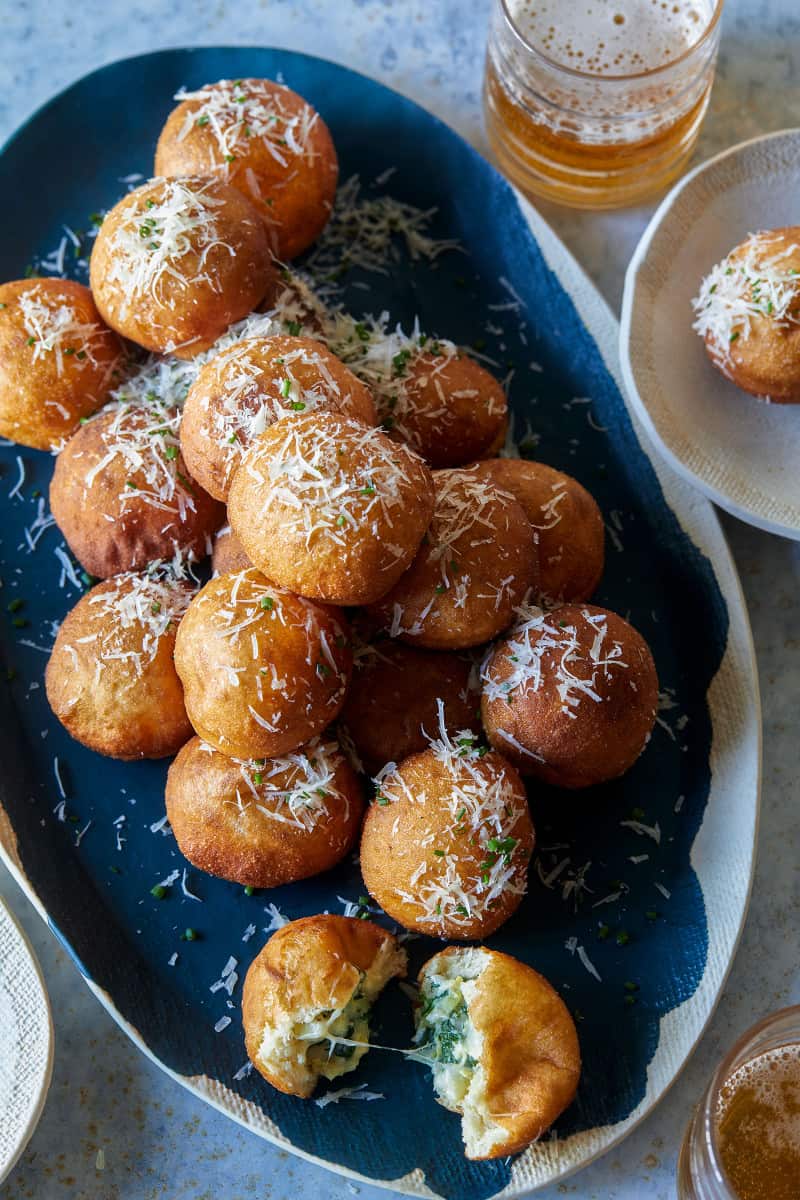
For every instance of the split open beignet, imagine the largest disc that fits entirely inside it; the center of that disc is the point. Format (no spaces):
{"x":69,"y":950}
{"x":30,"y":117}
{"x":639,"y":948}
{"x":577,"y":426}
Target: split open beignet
{"x":307,"y":998}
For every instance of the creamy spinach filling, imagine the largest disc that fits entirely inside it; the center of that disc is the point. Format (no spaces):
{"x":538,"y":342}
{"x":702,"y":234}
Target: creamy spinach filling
{"x":446,"y":1038}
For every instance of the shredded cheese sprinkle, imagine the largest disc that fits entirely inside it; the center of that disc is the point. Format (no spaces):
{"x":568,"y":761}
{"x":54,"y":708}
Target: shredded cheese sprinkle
{"x":756,"y":282}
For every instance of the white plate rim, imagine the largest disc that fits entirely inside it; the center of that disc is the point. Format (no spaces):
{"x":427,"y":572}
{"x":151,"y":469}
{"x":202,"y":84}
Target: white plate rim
{"x":631,"y":389}
{"x":39,"y":1098}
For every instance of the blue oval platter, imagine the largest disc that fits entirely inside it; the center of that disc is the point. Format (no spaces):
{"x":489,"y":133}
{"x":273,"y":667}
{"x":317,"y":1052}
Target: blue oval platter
{"x":638,"y":889}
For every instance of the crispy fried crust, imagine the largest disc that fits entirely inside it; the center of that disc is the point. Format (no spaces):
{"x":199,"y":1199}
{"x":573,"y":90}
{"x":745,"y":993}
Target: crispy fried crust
{"x":107,"y":509}
{"x":454,"y":411}
{"x":218,"y":809}
{"x":227,"y":554}
{"x":219,"y":279}
{"x":330,"y":508}
{"x":415,"y":828}
{"x":100,"y":699}
{"x":475,"y":566}
{"x":293,"y":194}
{"x":601,"y":739}
{"x":767,"y":362}
{"x":392,"y":702}
{"x":567,"y":525}
{"x":249,"y":387}
{"x":531,"y":1054}
{"x":263,"y":670}
{"x":58,"y":360}
{"x":315,"y":963}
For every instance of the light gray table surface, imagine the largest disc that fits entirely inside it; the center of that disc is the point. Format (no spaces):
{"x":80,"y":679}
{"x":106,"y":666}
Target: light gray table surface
{"x":158,"y":1141}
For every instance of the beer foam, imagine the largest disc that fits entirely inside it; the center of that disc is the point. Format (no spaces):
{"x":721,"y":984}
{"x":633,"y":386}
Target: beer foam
{"x":612,"y":37}
{"x":773,"y":1082}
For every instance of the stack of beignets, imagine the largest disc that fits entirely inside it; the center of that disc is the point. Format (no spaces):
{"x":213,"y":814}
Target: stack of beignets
{"x":356,"y":463}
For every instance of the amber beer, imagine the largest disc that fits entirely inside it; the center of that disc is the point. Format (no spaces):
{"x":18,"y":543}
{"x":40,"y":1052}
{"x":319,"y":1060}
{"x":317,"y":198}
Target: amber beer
{"x":598,"y":103}
{"x":758,"y":1126}
{"x":744,"y":1140}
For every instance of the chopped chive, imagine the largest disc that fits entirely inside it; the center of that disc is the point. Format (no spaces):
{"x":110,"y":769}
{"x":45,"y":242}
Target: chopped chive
{"x":294,"y":327}
{"x":248,"y":891}
{"x":623,"y":937}
{"x":267,"y":603}
{"x":16,"y":605}
{"x":159,"y":891}
{"x":286,"y":387}
{"x":171,"y":452}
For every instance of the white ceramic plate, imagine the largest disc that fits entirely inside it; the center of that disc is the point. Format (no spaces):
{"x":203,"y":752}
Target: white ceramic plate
{"x":26,"y":1042}
{"x":741,"y":452}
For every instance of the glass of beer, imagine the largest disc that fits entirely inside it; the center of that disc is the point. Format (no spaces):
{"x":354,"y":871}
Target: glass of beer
{"x":598,"y":103}
{"x":743,"y":1142}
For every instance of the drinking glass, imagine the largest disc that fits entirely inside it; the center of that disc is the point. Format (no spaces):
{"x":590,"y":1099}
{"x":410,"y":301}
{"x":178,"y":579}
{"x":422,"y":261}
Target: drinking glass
{"x":711,"y":1139}
{"x":598,"y":103}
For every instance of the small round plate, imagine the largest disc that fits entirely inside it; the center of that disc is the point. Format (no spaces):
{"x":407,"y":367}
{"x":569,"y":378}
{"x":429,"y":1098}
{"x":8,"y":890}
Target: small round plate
{"x":742,"y":452}
{"x":26,"y":1042}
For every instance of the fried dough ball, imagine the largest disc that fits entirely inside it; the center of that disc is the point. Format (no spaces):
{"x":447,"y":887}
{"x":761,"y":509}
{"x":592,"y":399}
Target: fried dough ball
{"x":748,"y":314}
{"x":227,"y":555}
{"x":266,"y":141}
{"x":307,"y":998}
{"x":570,"y":696}
{"x":58,"y":360}
{"x":121,"y":493}
{"x":263,"y":670}
{"x":429,"y":394}
{"x":330,"y":507}
{"x":176,"y":261}
{"x":566,"y":521}
{"x":445,"y":847}
{"x":297,"y":309}
{"x":504,"y":1048}
{"x":392,"y":706}
{"x":248,"y":388}
{"x":264,"y":822}
{"x":111,"y":678}
{"x":476,"y":564}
